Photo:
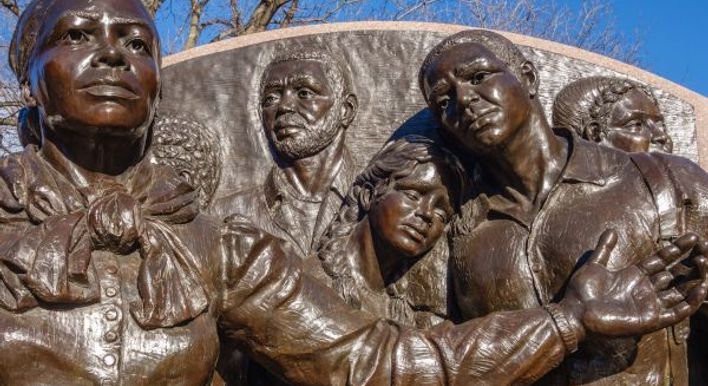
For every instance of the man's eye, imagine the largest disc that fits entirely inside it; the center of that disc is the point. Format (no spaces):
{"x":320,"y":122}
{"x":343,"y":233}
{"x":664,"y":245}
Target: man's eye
{"x":137,"y":45}
{"x":75,"y":36}
{"x":270,"y":99}
{"x":634,"y":125}
{"x":443,"y":103}
{"x":305,"y":93}
{"x":479,"y":77}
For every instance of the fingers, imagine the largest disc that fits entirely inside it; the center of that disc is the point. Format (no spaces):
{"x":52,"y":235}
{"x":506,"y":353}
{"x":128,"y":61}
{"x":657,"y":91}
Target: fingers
{"x":694,"y":297}
{"x":686,"y":242}
{"x":652,"y":265}
{"x":605,"y":246}
{"x":662,"y":280}
{"x":674,"y":315}
{"x":670,"y":298}
{"x":669,"y":254}
{"x":697,"y":294}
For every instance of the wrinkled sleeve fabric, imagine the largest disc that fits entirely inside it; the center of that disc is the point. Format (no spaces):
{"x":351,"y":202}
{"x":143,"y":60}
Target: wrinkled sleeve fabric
{"x":305,"y":333}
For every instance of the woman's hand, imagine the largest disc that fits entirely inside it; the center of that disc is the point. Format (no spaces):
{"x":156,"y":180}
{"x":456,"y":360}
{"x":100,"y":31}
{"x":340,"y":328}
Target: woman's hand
{"x":641,"y":298}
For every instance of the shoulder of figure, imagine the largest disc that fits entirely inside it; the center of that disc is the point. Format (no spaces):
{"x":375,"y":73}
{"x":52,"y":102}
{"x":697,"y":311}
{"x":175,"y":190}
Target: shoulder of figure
{"x":688,"y":177}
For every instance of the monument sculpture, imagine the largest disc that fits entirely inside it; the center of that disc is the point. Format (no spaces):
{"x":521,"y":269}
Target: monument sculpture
{"x":542,"y":197}
{"x":307,"y":103}
{"x":109,"y":273}
{"x":615,"y":112}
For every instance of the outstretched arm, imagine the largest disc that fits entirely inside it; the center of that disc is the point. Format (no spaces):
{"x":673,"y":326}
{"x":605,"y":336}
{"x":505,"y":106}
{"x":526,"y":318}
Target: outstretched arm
{"x":302,"y":331}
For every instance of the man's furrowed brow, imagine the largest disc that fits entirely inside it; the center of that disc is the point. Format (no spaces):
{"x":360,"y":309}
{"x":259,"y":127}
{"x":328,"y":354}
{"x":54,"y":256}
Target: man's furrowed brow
{"x":273,"y":83}
{"x":439,"y":87}
{"x":470,"y":67}
{"x":307,"y":79}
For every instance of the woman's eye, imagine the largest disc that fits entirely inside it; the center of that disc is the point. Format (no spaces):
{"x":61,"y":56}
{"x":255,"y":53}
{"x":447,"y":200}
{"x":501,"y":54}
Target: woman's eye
{"x":305,"y":93}
{"x":412,"y":194}
{"x":441,"y":214}
{"x":76,"y":36}
{"x":479,"y":77}
{"x":137,"y":45}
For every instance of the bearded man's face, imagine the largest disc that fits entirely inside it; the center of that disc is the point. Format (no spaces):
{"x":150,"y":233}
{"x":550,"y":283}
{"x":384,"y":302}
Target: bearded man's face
{"x":300,"y":110}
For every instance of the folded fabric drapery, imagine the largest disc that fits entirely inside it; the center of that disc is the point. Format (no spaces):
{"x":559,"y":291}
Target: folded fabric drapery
{"x":60,"y":221}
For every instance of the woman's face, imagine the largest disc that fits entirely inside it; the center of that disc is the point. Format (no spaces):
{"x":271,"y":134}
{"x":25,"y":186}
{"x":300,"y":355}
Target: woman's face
{"x":411,"y":216}
{"x":95,"y":69}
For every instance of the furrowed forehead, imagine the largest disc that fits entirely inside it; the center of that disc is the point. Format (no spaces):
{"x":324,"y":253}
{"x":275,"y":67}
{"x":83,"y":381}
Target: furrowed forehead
{"x":98,"y":16}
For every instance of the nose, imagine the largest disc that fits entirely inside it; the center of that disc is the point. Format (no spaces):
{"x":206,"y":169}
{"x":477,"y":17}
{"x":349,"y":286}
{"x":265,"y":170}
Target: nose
{"x":426,"y":209}
{"x":659,"y":137}
{"x":287,"y":102}
{"x":466,"y":95}
{"x":110,"y":56}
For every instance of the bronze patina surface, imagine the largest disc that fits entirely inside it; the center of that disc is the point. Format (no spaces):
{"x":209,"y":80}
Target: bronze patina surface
{"x":110,"y":273}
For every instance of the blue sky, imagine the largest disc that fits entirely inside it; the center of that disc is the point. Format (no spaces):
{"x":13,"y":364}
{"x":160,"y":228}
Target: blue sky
{"x":674,"y":34}
{"x":674,"y":37}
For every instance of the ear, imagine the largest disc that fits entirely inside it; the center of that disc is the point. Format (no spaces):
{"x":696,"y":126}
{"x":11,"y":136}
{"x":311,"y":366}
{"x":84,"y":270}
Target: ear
{"x":27,"y":98}
{"x":530,"y":77}
{"x":365,"y":196}
{"x":593,"y":131}
{"x":350,"y":107}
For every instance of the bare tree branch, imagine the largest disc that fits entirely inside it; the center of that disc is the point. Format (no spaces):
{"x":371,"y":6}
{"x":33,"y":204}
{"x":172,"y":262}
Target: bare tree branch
{"x":289,"y":15}
{"x":195,"y":28}
{"x":152,"y":6}
{"x":263,"y":14}
{"x":11,"y":5}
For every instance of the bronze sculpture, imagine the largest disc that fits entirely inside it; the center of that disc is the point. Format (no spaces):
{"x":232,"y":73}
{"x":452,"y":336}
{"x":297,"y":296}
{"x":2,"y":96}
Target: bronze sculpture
{"x":109,"y":275}
{"x":542,"y":197}
{"x":615,"y":112}
{"x":307,"y":103}
{"x":395,"y":214}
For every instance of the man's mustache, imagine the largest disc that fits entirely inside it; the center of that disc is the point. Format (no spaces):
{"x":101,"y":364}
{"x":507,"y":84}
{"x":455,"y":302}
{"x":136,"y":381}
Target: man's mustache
{"x":291,"y":120}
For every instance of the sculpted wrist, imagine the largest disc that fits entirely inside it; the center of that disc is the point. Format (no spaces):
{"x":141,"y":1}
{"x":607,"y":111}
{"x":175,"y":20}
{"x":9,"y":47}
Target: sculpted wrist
{"x":571,"y":332}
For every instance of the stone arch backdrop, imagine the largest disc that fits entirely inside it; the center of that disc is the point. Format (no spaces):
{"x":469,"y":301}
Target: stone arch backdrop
{"x":217,"y":84}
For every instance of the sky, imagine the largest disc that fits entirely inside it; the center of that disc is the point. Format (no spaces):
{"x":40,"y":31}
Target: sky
{"x":674,"y":36}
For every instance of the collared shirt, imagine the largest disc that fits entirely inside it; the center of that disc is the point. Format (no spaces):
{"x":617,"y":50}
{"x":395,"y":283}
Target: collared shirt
{"x":277,"y":207}
{"x":508,"y":253}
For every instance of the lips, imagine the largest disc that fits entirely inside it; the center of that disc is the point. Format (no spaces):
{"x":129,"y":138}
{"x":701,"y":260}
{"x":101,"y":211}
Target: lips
{"x":414,"y":232}
{"x":109,"y":88}
{"x":287,"y":129}
{"x":475,"y":123}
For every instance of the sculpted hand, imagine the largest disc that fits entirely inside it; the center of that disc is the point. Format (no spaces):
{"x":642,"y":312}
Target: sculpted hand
{"x":641,"y":298}
{"x":115,"y":221}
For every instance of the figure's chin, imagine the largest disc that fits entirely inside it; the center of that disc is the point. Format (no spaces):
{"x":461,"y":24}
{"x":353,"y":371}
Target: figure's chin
{"x":407,"y":247}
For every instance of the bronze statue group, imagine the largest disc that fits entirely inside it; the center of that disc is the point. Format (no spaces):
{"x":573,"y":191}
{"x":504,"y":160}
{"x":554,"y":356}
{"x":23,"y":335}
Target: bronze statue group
{"x":562,"y":254}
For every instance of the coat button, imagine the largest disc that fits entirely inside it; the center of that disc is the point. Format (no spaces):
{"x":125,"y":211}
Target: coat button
{"x":109,"y":360}
{"x":111,"y":315}
{"x":110,"y":336}
{"x":112,"y":269}
{"x":111,"y":292}
{"x":536,"y":268}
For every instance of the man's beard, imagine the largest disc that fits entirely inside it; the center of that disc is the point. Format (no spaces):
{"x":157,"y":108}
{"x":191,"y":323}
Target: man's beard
{"x":315,"y":137}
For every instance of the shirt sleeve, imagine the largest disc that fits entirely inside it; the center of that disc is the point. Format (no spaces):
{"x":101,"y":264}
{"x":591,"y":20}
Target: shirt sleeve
{"x":302,"y":331}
